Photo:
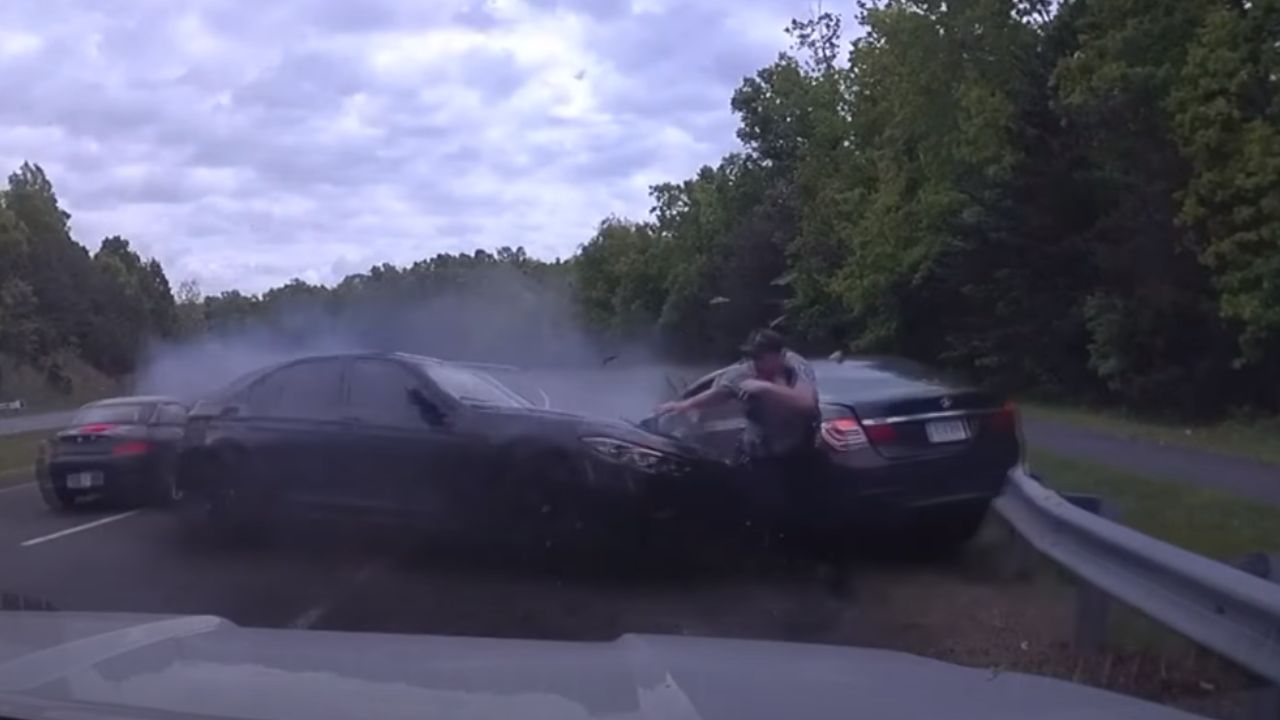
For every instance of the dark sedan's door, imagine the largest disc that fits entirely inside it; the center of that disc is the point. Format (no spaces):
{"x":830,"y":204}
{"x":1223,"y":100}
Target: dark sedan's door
{"x":395,"y":459}
{"x":292,"y":425}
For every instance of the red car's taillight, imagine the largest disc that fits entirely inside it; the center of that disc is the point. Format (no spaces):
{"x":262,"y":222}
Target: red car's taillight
{"x":133,"y":447}
{"x":842,"y":434}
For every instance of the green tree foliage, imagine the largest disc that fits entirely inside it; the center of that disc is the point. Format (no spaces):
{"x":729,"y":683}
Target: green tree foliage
{"x":1078,"y":197}
{"x":1073,"y":197}
{"x":58,"y":301}
{"x":1226,"y":103}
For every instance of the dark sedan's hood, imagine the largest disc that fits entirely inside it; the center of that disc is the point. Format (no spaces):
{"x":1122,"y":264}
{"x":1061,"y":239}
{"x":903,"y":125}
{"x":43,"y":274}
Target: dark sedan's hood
{"x":86,"y":665}
{"x":571,"y":426}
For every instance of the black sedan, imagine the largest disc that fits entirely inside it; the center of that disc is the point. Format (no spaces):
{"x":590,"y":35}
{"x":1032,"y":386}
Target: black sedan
{"x":900,"y":449}
{"x":441,"y":445}
{"x":123,"y":450}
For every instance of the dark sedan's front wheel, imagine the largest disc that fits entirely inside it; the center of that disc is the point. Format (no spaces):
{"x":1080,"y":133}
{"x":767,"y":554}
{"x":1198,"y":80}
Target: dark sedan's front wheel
{"x":547,"y":505}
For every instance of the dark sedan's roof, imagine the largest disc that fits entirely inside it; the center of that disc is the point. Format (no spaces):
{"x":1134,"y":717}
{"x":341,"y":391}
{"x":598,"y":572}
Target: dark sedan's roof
{"x":877,"y":370}
{"x":135,"y":400}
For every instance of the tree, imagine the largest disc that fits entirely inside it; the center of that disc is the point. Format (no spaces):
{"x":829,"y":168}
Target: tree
{"x":1226,"y":106}
{"x":189,"y":318}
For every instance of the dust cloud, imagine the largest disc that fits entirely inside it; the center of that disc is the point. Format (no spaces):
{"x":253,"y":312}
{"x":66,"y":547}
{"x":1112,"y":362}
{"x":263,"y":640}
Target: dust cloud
{"x":504,"y":318}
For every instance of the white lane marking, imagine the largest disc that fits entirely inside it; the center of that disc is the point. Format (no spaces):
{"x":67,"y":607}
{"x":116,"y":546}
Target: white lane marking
{"x":11,"y":488}
{"x":78,"y":528}
{"x":546,"y":401}
{"x":318,"y":611}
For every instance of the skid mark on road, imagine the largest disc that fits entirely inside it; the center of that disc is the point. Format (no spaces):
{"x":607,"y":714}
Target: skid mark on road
{"x":11,"y":488}
{"x":78,"y":528}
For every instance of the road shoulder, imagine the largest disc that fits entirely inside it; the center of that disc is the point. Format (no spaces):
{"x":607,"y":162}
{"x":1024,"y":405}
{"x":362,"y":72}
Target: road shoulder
{"x":1239,"y":476}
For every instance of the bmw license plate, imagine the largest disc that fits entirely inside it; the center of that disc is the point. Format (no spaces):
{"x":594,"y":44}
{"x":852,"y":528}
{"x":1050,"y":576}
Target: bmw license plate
{"x":947,"y":431}
{"x":82,"y":480}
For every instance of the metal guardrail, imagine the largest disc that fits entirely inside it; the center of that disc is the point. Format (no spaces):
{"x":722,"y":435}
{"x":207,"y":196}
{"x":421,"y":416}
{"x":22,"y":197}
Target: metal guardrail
{"x":1227,"y":610}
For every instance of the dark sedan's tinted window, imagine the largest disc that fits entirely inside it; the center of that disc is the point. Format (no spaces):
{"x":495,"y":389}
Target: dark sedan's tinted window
{"x":310,"y":390}
{"x":124,"y":414}
{"x":473,"y":388}
{"x":379,"y":393}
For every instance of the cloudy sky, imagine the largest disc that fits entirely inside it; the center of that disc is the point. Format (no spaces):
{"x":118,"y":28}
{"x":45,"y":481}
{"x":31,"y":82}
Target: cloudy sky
{"x":247,"y":142}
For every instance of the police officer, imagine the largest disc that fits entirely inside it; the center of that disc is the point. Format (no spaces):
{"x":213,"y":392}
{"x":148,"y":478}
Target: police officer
{"x":776,"y":450}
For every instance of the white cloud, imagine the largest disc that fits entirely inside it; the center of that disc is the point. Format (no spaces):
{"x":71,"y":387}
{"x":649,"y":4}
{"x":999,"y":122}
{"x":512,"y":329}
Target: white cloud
{"x":245,"y":143}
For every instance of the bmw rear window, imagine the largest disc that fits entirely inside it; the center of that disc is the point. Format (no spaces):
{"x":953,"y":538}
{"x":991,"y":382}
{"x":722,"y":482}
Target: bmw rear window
{"x":124,"y":414}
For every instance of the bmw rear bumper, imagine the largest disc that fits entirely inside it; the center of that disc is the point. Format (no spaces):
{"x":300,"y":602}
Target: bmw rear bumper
{"x":908,"y":491}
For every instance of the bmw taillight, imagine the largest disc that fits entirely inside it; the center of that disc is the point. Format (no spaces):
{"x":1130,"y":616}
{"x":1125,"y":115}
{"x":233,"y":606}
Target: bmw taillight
{"x":882,"y":433}
{"x":1004,"y":420}
{"x":842,"y":434}
{"x":133,"y":447}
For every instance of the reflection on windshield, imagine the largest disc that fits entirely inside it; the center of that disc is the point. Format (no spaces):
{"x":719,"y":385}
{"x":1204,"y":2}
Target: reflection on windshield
{"x":473,"y":388}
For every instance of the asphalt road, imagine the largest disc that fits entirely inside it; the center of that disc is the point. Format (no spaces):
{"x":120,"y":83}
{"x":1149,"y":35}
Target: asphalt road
{"x":967,"y":609}
{"x":1239,"y":476}
{"x":374,"y":580}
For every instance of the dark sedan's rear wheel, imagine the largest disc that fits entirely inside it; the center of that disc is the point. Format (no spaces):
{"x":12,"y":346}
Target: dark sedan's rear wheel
{"x":164,"y":488}
{"x":226,"y":502}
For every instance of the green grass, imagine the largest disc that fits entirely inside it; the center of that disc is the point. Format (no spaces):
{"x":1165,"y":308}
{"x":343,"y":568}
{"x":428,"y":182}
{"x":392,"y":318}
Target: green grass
{"x":1204,"y":521}
{"x":1256,"y":440}
{"x":31,"y":386}
{"x":18,"y":452}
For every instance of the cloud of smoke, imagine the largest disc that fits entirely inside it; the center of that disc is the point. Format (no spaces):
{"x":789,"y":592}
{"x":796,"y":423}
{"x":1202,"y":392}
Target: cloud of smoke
{"x":499,"y":316}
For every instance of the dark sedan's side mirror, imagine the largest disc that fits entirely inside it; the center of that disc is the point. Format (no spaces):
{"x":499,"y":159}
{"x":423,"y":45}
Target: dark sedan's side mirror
{"x":427,"y":408}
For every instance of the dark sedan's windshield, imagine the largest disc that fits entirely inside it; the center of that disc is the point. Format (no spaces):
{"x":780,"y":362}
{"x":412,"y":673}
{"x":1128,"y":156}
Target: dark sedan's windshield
{"x":471,"y":387}
{"x":112,"y":414}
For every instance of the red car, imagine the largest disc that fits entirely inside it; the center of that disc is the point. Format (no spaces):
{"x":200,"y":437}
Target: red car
{"x":123,"y":450}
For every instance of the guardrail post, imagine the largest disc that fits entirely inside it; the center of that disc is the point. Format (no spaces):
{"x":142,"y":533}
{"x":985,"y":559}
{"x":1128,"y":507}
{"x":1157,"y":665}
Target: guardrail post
{"x":1265,"y":703}
{"x":1093,"y":607}
{"x":1017,"y":561}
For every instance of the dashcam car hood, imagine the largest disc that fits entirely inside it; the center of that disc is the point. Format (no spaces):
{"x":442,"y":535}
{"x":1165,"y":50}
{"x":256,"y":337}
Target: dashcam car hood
{"x":85,"y":665}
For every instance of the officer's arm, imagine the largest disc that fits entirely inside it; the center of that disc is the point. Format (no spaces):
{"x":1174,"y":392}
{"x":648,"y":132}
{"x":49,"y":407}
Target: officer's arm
{"x":711,"y":396}
{"x":801,"y":396}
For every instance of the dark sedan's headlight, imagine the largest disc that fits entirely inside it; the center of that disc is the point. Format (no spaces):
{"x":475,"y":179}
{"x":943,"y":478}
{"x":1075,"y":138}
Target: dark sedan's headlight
{"x":639,"y":457}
